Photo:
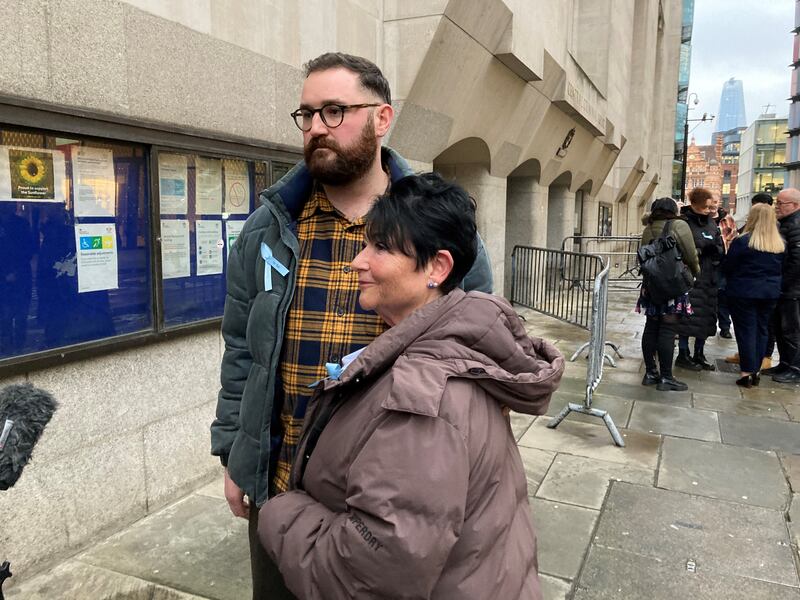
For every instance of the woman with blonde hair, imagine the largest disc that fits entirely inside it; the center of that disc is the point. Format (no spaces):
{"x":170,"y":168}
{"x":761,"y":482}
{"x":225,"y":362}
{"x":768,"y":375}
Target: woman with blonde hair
{"x":753,"y":270}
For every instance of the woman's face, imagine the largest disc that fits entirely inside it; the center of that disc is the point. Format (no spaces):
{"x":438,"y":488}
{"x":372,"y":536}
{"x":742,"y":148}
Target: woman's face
{"x":390,"y":283}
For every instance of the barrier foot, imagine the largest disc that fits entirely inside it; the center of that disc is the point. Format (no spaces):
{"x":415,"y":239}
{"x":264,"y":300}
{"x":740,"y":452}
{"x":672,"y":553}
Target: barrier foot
{"x":578,"y":351}
{"x":593,"y":412}
{"x":615,"y":348}
{"x":610,"y":360}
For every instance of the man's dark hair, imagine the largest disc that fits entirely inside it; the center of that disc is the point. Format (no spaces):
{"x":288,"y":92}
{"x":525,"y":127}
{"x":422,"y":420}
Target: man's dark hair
{"x":761,"y":198}
{"x":423,"y":214}
{"x":369,"y":75}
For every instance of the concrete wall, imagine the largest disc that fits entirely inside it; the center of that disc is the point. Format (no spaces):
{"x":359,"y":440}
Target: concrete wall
{"x":129,"y":436}
{"x":487,"y":91}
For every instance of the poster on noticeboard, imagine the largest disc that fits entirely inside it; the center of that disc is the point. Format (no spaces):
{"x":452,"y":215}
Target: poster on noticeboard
{"x":32,"y":175}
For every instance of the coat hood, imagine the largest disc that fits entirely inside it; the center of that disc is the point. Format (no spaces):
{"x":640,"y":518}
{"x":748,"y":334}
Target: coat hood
{"x":466,"y":335}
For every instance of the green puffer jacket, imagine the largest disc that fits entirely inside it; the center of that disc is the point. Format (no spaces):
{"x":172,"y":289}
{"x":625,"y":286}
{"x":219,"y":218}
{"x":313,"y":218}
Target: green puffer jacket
{"x":253,"y":326}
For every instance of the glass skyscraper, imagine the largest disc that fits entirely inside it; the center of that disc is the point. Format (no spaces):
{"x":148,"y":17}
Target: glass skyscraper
{"x":731,"y":106}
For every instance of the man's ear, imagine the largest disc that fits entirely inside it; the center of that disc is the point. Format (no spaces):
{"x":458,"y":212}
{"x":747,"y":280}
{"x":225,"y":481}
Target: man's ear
{"x":384,"y":115}
{"x":440,"y":266}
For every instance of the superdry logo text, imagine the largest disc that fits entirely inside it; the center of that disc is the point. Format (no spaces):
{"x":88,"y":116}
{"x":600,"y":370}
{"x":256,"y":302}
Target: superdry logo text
{"x":365,"y":533}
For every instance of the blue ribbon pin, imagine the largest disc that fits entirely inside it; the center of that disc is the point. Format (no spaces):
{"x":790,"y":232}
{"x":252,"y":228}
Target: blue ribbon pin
{"x":270,"y":262}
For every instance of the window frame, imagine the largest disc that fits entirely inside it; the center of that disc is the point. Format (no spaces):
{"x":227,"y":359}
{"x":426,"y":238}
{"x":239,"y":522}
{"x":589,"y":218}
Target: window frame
{"x":163,"y":139}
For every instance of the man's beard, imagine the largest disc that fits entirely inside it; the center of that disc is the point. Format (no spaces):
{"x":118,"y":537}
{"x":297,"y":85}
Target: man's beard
{"x":347,"y":164}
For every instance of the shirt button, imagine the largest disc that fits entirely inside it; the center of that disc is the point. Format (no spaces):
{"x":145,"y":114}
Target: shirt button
{"x":333,"y":358}
{"x":339,"y":312}
{"x":346,"y":268}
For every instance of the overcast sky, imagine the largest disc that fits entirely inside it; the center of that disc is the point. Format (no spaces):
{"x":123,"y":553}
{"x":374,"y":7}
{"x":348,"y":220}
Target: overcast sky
{"x":746,"y":39}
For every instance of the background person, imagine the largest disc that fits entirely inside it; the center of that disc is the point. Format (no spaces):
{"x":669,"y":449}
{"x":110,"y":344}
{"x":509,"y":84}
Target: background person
{"x":753,"y":271}
{"x":702,"y":323}
{"x":409,"y":483}
{"x":658,"y":338}
{"x":787,"y":317}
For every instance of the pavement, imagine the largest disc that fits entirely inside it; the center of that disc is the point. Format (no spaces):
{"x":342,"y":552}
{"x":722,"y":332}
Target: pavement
{"x":703,"y":502}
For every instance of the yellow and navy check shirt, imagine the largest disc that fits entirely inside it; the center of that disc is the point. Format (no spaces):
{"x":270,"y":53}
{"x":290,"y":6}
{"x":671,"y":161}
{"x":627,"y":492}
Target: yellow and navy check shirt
{"x":325,"y":321}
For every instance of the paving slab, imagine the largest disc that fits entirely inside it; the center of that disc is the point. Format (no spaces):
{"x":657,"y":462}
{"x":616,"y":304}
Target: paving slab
{"x":794,"y":411}
{"x":794,"y":519}
{"x":563,"y":533}
{"x":554,"y":588}
{"x":536,"y":463}
{"x":593,"y":441}
{"x":618,"y":408}
{"x":683,"y":399}
{"x":791,"y":466}
{"x":675,"y":420}
{"x":764,"y":434}
{"x":207,"y":548}
{"x":726,"y":539}
{"x":74,"y":580}
{"x":584,"y":481}
{"x":764,"y":392}
{"x":215,"y":489}
{"x":724,"y":472}
{"x":520,"y":423}
{"x":616,"y":575}
{"x":751,"y":407}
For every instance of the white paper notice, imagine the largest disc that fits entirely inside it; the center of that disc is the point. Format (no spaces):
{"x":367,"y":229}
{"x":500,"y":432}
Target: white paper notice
{"x":233,"y":230}
{"x":93,"y":182}
{"x":174,"y":248}
{"x":32,"y":175}
{"x":237,"y":187}
{"x":209,"y":247}
{"x":208,"y":195}
{"x":172,"y":184}
{"x":97,"y":256}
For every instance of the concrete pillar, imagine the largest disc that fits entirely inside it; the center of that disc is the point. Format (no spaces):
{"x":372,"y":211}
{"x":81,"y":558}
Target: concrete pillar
{"x":489,"y":193}
{"x":526,"y":218}
{"x":560,"y":215}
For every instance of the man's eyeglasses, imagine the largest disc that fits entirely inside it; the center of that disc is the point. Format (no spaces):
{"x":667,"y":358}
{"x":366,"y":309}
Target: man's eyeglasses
{"x":331,"y":114}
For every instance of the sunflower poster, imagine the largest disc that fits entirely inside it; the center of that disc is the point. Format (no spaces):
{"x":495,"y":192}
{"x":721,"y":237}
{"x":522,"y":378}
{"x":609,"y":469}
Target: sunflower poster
{"x":32,"y":175}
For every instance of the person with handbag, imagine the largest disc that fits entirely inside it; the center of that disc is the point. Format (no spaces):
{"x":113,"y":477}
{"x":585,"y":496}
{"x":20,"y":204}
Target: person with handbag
{"x":753,"y":271}
{"x":663,"y":309}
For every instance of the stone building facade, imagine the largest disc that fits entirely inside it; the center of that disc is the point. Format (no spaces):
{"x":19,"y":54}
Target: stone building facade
{"x":550,"y":112}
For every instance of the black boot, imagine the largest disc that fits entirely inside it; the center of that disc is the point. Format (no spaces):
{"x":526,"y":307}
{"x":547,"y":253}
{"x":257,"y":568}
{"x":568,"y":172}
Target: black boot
{"x":778,"y":369}
{"x":670,"y":384}
{"x":651,"y":377}
{"x":684,"y":361}
{"x":700,"y":360}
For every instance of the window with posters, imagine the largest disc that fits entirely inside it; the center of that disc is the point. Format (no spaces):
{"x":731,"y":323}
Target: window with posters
{"x":107,"y":241}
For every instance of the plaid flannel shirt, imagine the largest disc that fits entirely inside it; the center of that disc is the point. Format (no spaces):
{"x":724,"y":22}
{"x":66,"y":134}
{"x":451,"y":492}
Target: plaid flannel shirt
{"x":325,"y":321}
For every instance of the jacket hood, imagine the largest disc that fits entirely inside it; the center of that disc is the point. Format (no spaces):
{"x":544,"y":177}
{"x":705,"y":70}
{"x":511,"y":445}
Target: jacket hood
{"x":466,"y":335}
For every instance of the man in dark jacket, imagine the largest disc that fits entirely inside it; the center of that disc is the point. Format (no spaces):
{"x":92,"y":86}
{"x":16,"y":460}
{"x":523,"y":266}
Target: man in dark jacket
{"x":291,"y":304}
{"x":788,"y":312}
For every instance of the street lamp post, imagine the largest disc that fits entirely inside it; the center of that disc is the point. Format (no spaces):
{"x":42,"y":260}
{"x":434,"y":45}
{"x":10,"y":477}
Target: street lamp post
{"x":702,"y":119}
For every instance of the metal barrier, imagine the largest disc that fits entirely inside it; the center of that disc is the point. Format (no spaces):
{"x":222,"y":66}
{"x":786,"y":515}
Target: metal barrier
{"x":551,"y":282}
{"x":617,"y":251}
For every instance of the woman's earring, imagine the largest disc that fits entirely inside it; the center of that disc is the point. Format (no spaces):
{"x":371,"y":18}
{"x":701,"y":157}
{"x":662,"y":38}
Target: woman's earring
{"x":432,"y":284}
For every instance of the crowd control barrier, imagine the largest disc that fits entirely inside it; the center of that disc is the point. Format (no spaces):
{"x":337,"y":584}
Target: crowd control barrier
{"x":619,"y":252}
{"x":551,"y":282}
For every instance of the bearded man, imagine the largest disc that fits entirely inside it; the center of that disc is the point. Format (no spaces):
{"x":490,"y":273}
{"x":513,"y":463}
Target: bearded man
{"x":291,"y":304}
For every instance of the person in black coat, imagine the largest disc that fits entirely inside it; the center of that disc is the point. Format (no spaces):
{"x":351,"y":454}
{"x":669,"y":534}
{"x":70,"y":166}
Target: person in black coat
{"x":753,"y":271}
{"x":702,"y":323}
{"x":787,"y":320}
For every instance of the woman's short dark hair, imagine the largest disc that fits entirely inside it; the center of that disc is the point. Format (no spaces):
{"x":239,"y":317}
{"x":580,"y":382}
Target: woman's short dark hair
{"x":423,"y":214}
{"x":369,"y":75}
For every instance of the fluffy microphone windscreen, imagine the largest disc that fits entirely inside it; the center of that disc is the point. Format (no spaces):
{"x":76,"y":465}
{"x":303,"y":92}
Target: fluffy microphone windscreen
{"x":29,"y":409}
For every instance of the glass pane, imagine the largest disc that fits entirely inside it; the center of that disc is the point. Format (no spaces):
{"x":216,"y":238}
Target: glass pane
{"x":74,"y":234}
{"x":204,"y":202}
